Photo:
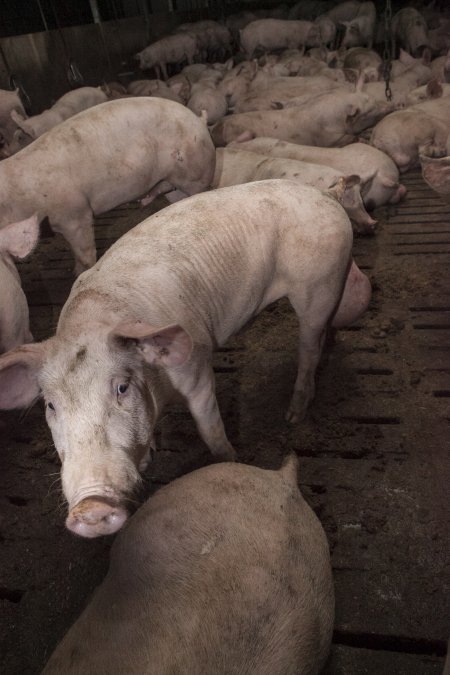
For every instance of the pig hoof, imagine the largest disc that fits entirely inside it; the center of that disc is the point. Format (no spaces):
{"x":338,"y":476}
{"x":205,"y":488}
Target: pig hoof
{"x":94,"y":517}
{"x":291,"y":417}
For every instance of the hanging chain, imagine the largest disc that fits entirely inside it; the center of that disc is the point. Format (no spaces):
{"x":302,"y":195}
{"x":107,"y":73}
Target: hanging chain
{"x":387,"y":52}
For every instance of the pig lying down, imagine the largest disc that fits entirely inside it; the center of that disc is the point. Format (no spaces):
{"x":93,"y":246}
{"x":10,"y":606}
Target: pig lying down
{"x":234,"y":166}
{"x":102,"y":157}
{"x":140,"y":327}
{"x":196,"y":587}
{"x":16,"y":241}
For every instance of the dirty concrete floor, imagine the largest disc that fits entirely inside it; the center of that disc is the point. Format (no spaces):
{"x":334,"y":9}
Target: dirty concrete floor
{"x":374,"y":461}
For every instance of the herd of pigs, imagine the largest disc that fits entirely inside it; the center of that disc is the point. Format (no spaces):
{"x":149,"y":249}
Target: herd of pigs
{"x":271,"y":138}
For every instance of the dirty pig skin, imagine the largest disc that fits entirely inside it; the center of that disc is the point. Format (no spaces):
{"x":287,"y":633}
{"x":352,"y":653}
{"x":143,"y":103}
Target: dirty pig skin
{"x":141,"y":325}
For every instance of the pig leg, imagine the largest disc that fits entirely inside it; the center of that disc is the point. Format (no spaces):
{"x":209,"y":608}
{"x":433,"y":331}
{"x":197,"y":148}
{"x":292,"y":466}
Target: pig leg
{"x":159,"y":189}
{"x":79,"y":234}
{"x":197,"y":386}
{"x":311,"y":340}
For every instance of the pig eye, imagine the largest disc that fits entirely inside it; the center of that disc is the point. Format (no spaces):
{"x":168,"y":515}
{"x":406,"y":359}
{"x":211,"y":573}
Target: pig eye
{"x":50,"y":406}
{"x":122,"y":388}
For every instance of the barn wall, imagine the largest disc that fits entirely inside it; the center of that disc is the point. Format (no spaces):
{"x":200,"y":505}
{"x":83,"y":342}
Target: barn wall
{"x":102,"y":52}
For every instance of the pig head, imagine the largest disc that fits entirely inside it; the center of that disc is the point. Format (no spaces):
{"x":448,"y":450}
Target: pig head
{"x":101,"y":418}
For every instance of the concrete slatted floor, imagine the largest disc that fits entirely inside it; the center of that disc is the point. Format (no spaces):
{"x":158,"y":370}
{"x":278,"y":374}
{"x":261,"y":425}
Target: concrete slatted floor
{"x":373,"y":448}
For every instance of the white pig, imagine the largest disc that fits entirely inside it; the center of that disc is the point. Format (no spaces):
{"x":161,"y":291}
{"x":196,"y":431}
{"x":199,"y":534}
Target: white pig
{"x":67,"y":106}
{"x":379,"y":174}
{"x":206,"y":97}
{"x":409,"y":30}
{"x":328,"y":120}
{"x":142,"y":323}
{"x":235,"y":165}
{"x":102,"y":157}
{"x":269,"y":34}
{"x":171,"y":49}
{"x":359,"y":31}
{"x":225,"y":570}
{"x":16,"y":241}
{"x":419,"y":129}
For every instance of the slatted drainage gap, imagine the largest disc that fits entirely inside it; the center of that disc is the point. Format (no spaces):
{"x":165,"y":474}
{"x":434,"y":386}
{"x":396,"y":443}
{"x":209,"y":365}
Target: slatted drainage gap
{"x":431,"y":326}
{"x":372,"y":420}
{"x":390,"y":643}
{"x":374,"y":371}
{"x":441,"y":393}
{"x":10,"y":594}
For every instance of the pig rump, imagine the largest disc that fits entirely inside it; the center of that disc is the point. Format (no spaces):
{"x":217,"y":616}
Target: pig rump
{"x":195,"y":587}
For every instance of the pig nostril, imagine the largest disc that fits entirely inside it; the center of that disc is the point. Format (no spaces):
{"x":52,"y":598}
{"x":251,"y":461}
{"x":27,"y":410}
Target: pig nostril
{"x":95,"y":517}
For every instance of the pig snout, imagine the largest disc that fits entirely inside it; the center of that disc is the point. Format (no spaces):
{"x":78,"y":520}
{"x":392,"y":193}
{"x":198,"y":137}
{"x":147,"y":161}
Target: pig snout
{"x":398,"y":194}
{"x":355,"y":298}
{"x":364,"y":224}
{"x":96,"y":516}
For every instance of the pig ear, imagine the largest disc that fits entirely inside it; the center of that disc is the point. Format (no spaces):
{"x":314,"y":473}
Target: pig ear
{"x":360,"y":82}
{"x":344,"y":183}
{"x":19,"y":239}
{"x":21,"y":123}
{"x":351,"y":75}
{"x":19,"y":369}
{"x":169,"y":346}
{"x":353,"y":110}
{"x":406,"y":58}
{"x":366,"y":184}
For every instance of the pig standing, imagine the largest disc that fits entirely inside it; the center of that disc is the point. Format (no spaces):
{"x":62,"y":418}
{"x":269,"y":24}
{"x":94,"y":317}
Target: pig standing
{"x":16,"y":241}
{"x":235,"y":165}
{"x":142,"y":323}
{"x":102,"y":157}
{"x":359,"y":31}
{"x":269,"y":34}
{"x":378,"y":173}
{"x":67,"y":106}
{"x":225,"y":570}
{"x":172,"y":49}
{"x":409,"y":30}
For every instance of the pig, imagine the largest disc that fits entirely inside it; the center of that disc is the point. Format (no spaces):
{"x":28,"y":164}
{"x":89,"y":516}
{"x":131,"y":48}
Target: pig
{"x":379,"y":174}
{"x":235,"y":165}
{"x":140,"y":326}
{"x":329,"y":120}
{"x":307,"y":9}
{"x":213,"y":40}
{"x":195,"y":587}
{"x":269,"y":34}
{"x":327,"y":31}
{"x":416,"y":75}
{"x":360,"y":58}
{"x":344,"y":11}
{"x":359,"y":31}
{"x":275,"y":93}
{"x":405,"y":134}
{"x":434,"y":89}
{"x":409,"y":30}
{"x":440,"y":68}
{"x":16,"y":241}
{"x":237,"y":81}
{"x":171,"y":49}
{"x":67,"y":106}
{"x":205,"y":97}
{"x":9,"y":101}
{"x":75,"y":170}
{"x":156,"y":88}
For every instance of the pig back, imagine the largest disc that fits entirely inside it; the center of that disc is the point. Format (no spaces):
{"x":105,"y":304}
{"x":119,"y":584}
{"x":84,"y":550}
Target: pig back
{"x":213,"y":261}
{"x":113,"y":152}
{"x":224,"y":571}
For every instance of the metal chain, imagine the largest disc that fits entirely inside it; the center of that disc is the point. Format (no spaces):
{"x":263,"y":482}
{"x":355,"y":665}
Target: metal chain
{"x":387,"y":52}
